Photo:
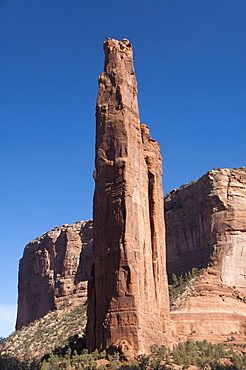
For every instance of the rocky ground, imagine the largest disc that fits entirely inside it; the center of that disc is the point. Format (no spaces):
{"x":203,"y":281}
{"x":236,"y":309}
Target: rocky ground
{"x":57,"y":340}
{"x":207,"y":309}
{"x":55,"y":330}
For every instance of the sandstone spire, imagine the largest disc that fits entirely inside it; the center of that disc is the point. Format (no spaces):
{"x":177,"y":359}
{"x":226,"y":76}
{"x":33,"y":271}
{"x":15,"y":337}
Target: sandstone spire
{"x":128,"y":305}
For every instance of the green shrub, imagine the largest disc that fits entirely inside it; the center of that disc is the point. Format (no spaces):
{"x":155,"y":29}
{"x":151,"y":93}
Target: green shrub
{"x":143,"y":361}
{"x":133,"y":365}
{"x":237,"y":361}
{"x":179,"y":283}
{"x":114,"y":361}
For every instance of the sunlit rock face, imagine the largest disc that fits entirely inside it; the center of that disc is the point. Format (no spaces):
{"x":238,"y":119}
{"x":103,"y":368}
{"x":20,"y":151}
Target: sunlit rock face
{"x":54,"y":270}
{"x":206,"y":225}
{"x":128,"y":305}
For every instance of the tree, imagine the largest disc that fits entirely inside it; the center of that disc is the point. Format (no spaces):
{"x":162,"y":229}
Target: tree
{"x":174,"y":280}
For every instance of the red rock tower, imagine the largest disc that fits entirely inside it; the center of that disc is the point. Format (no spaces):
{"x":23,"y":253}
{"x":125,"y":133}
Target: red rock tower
{"x":128,"y":304}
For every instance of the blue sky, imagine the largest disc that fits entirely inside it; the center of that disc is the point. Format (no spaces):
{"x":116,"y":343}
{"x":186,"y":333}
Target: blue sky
{"x":190,"y":65}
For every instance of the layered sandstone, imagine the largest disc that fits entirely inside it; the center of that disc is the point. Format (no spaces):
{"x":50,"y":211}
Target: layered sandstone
{"x":206,"y":227}
{"x":128,"y":306}
{"x":210,"y":310}
{"x":199,"y":217}
{"x":54,"y":271}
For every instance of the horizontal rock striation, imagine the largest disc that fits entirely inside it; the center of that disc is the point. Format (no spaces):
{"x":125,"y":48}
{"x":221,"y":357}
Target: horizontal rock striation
{"x":206,"y":227}
{"x":205,"y":223}
{"x":54,"y":271}
{"x":210,"y":310}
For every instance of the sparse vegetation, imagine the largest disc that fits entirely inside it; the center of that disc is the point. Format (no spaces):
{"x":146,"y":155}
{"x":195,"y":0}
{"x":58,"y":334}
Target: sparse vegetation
{"x":203,"y":355}
{"x":180,"y":282}
{"x":168,"y":195}
{"x":57,"y":342}
{"x":57,"y":330}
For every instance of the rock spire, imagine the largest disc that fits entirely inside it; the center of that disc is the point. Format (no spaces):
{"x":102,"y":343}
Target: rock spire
{"x":128,"y":304}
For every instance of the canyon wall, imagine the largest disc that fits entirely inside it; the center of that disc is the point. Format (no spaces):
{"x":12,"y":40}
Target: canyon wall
{"x":128,"y":304}
{"x":54,"y":271}
{"x":206,"y":226}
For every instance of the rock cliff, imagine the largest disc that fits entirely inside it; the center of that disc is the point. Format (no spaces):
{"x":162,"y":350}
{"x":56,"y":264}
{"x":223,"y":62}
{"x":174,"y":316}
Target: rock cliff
{"x":128,"y":305}
{"x":205,"y":223}
{"x":54,"y":271}
{"x":206,"y":227}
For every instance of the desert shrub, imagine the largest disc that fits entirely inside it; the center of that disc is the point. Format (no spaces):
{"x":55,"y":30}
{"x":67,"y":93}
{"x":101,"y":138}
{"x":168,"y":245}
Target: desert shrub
{"x":143,"y":361}
{"x":88,"y":360}
{"x":158,"y":354}
{"x":159,"y":351}
{"x":114,"y":361}
{"x":44,"y":365}
{"x":182,"y":358}
{"x":180,"y":282}
{"x":133,"y":365}
{"x":103,"y":367}
{"x":237,"y":361}
{"x":174,"y":280}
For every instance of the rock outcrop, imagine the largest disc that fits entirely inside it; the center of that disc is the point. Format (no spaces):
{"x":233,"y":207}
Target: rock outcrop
{"x":54,"y":271}
{"x":206,"y":227}
{"x":128,"y":304}
{"x":205,"y":223}
{"x":210,"y":310}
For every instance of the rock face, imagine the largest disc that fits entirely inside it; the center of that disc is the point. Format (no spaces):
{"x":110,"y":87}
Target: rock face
{"x":54,"y":271}
{"x":206,"y":227}
{"x":210,"y":310}
{"x":205,"y":223}
{"x":128,"y":304}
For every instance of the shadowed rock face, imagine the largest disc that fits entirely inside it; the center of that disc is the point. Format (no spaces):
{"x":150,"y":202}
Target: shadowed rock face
{"x":54,"y":271}
{"x":206,"y":226}
{"x":128,"y":305}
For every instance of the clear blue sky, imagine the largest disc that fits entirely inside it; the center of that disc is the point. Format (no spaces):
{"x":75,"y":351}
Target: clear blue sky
{"x":190,"y":65}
